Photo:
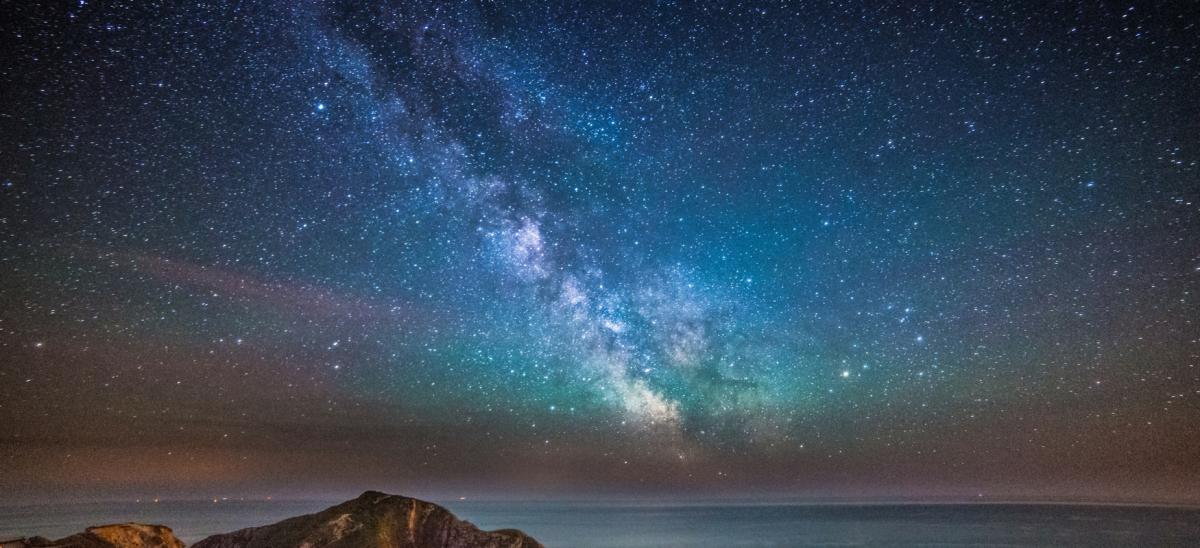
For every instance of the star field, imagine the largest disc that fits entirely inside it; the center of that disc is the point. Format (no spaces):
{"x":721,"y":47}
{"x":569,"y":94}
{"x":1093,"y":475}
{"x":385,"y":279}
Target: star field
{"x":821,"y":250}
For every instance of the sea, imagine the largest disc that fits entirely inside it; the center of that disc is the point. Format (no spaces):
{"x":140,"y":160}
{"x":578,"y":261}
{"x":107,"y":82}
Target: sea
{"x":660,"y":525}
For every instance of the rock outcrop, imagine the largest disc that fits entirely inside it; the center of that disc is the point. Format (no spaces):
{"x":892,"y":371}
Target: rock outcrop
{"x":373,"y":520}
{"x":121,"y":535}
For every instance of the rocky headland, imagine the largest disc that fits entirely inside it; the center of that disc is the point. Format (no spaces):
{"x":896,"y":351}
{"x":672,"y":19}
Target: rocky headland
{"x":373,"y":520}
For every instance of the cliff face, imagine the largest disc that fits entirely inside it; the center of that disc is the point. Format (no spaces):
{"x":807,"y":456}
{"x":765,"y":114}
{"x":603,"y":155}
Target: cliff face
{"x":124,"y":535}
{"x":373,"y":520}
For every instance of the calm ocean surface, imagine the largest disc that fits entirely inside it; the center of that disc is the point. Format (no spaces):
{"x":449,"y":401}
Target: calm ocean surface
{"x":582,"y":525}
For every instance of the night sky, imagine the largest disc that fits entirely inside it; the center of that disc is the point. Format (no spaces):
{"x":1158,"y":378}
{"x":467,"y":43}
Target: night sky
{"x":822,"y":250}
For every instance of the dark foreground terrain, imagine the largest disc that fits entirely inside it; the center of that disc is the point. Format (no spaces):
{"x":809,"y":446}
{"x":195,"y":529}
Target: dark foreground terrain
{"x":659,"y":524}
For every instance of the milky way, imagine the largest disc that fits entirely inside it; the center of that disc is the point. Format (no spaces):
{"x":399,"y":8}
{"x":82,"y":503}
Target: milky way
{"x":819,"y":250}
